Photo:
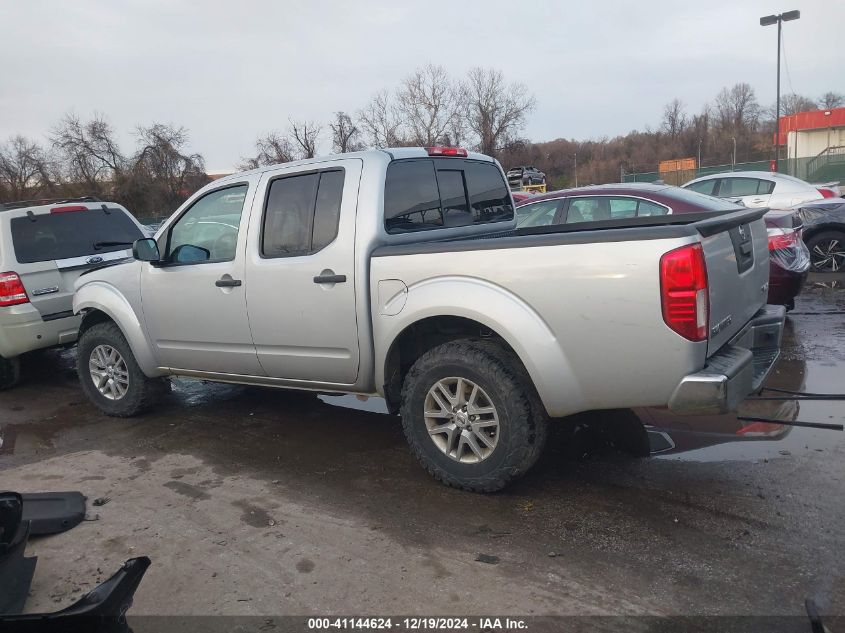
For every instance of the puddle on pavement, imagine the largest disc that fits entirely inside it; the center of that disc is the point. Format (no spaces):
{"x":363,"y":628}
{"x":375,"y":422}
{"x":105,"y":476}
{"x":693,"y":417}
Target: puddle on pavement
{"x":725,"y":438}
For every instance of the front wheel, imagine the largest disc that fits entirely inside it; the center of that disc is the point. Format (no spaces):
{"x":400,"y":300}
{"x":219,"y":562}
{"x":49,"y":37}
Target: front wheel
{"x":827,"y":251}
{"x":472,"y":416}
{"x":110,"y":376}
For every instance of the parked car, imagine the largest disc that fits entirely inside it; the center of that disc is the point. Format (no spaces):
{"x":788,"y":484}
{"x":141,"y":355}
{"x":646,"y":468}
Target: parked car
{"x":396,"y":273}
{"x":824,"y":233}
{"x":789,"y":259}
{"x":759,"y":188}
{"x":525,"y":175}
{"x":44,"y":247}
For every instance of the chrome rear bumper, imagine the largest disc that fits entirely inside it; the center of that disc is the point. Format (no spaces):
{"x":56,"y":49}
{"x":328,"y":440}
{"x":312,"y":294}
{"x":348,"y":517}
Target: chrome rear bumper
{"x":735,"y":371}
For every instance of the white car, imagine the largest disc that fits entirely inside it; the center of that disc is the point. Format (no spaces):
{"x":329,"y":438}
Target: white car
{"x":757,"y":188}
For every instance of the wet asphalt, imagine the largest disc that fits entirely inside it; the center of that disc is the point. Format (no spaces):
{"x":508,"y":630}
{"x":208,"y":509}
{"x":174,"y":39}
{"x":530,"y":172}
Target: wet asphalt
{"x":261,"y":502}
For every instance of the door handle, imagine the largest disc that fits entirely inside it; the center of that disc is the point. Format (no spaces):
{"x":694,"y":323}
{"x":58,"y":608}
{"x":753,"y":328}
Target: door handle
{"x":227,"y":283}
{"x":329,"y":279}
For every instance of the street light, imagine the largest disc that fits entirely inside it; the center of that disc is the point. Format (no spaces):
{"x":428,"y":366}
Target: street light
{"x":768,"y":20}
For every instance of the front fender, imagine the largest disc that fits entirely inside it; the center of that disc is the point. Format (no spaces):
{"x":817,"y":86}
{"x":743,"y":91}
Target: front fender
{"x":501,"y":311}
{"x":102,"y":296}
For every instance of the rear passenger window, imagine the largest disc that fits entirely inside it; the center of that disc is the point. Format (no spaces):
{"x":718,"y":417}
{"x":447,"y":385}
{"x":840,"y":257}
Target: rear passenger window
{"x":327,"y":210}
{"x":705,"y":186}
{"x":301,"y":214}
{"x":646,"y":208}
{"x":287,"y":216}
{"x":735,"y":187}
{"x":428,"y":194}
{"x":623,"y":208}
{"x":766,"y":187}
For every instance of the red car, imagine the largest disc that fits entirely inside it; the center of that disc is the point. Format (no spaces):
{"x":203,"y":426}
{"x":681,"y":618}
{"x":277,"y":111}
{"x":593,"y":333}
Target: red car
{"x":788,"y":256}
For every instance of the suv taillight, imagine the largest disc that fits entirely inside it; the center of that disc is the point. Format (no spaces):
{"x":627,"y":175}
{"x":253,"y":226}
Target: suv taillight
{"x":683,"y":292}
{"x":12,"y":291}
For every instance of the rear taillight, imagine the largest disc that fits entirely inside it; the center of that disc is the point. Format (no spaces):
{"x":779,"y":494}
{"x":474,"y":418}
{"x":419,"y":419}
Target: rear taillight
{"x":827,"y":193}
{"x":446,"y":151}
{"x":782,"y":238}
{"x":12,"y":291}
{"x":69,"y":208}
{"x":683,"y":291}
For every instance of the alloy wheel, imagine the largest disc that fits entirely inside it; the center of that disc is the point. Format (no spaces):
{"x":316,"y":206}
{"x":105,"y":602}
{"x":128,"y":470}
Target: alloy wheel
{"x":461,"y":420}
{"x":109,"y":372}
{"x":829,"y":255}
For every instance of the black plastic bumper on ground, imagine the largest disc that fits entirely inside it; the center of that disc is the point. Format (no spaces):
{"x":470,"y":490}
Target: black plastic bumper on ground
{"x":102,"y":610}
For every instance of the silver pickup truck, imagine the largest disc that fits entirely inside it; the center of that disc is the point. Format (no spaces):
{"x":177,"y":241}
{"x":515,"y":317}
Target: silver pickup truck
{"x":400,"y":273}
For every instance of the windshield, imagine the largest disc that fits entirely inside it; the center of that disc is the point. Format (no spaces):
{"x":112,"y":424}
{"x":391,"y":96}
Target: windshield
{"x":45,"y":237}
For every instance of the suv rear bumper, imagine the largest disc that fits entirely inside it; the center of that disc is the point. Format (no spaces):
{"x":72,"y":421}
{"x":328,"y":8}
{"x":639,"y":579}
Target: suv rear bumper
{"x":22,"y":329}
{"x":735,"y":371}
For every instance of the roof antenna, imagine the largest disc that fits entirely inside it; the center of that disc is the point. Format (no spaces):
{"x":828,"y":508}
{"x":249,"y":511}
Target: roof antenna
{"x":30,"y":215}
{"x":106,"y":210}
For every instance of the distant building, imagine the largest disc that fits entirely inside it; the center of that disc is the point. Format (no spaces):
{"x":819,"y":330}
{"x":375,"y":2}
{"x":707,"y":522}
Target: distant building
{"x":815,"y":144}
{"x":811,"y":133}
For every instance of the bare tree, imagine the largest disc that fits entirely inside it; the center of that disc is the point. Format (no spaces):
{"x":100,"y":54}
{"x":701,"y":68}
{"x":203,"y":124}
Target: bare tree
{"x":737,"y":109}
{"x":831,"y":100}
{"x":429,"y":104}
{"x":792,"y":103}
{"x":167,"y":172}
{"x":88,"y":151}
{"x":305,"y":135}
{"x":674,"y":118}
{"x":495,"y":110}
{"x":271,"y":149}
{"x":379,"y":121}
{"x":345,"y":135}
{"x":24,"y":169}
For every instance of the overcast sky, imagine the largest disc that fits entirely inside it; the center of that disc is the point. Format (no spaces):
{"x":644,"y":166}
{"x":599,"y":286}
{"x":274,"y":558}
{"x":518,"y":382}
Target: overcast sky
{"x":229,"y":71}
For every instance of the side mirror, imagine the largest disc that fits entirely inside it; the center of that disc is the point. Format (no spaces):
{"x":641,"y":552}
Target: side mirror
{"x":146,"y":250}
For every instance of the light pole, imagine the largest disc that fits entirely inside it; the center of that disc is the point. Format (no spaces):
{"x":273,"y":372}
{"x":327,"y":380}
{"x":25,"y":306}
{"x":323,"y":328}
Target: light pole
{"x":768,"y":20}
{"x":576,"y":169}
{"x":699,"y":157}
{"x":733,"y":161}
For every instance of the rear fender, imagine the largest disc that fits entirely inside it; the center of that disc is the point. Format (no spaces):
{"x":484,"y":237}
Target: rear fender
{"x":506,"y":315}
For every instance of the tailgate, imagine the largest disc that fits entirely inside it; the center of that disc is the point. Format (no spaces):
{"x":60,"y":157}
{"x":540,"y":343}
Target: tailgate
{"x":49,"y":285}
{"x":53,"y":249}
{"x":737,"y":255}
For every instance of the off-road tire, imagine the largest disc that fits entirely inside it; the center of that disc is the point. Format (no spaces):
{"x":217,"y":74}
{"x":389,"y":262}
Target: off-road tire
{"x":10,"y":372}
{"x":142,"y":392}
{"x":523,"y":422}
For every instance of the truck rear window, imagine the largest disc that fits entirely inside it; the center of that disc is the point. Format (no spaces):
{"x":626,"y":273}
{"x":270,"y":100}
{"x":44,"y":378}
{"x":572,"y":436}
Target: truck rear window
{"x":46,"y":237}
{"x":422,"y":194}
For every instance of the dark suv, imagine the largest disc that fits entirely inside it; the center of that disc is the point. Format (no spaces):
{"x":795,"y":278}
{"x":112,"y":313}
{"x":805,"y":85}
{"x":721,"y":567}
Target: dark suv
{"x":525,"y":175}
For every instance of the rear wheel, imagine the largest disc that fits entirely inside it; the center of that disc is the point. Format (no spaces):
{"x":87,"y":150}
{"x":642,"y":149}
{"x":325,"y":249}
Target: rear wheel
{"x":10,"y":372}
{"x":827,"y":251}
{"x":110,"y":376}
{"x":472,"y":416}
